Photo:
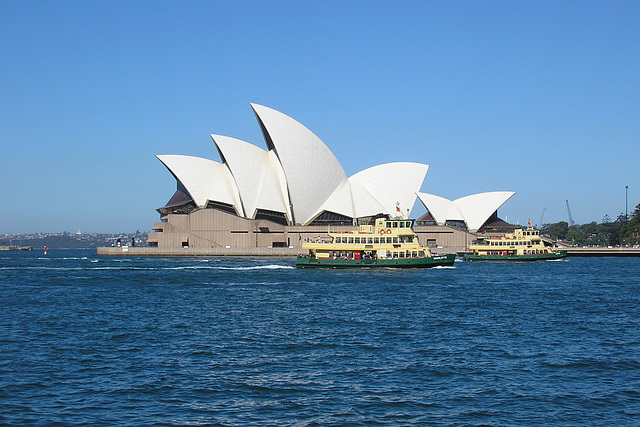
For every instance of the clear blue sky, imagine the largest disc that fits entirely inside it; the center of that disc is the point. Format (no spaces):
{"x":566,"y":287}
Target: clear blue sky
{"x":539,"y":97}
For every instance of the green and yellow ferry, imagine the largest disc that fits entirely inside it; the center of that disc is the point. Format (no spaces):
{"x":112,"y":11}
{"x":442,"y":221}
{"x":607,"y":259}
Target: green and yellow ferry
{"x":387,"y":243}
{"x":521,"y":245}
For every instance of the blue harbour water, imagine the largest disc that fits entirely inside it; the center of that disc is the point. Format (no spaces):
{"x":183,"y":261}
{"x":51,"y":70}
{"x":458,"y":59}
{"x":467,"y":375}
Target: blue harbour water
{"x":239,"y":341}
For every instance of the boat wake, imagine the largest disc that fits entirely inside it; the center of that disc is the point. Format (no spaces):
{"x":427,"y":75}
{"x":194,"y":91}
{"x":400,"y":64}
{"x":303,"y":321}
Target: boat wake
{"x":134,"y":268}
{"x":259,"y":267}
{"x":245,"y":268}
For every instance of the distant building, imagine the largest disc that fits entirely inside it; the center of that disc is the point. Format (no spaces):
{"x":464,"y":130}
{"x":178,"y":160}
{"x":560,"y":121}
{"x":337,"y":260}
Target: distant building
{"x":293,"y":190}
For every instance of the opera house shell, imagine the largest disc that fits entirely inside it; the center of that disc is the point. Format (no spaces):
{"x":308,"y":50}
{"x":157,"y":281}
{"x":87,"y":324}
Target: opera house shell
{"x":293,"y":188}
{"x":474,"y":210}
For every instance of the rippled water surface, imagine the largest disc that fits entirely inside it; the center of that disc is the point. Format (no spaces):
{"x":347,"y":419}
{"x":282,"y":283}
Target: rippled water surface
{"x":238,"y":341}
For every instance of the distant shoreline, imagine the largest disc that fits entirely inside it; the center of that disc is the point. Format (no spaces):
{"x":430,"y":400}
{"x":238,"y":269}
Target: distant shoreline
{"x":15,"y":248}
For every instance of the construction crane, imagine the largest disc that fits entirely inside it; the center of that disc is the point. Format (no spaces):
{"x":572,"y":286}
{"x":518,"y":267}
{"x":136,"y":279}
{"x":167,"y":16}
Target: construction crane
{"x":542,"y":217}
{"x":569,"y":212}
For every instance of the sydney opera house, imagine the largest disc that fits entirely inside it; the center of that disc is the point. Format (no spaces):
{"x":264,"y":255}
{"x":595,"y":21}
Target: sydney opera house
{"x":295,"y":189}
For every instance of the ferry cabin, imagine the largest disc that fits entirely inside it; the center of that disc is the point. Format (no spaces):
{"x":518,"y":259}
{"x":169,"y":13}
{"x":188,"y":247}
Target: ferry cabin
{"x":521,"y":242}
{"x":388,"y":239}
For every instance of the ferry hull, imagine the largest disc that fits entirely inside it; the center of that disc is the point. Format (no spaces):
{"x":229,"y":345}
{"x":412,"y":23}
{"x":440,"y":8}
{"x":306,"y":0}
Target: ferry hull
{"x":435,"y":261}
{"x":537,"y":257}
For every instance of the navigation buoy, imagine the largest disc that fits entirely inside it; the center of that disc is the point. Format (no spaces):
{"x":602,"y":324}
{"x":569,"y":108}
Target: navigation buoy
{"x":45,"y":249}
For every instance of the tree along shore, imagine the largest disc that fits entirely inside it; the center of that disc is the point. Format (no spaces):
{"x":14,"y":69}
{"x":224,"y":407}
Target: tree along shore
{"x":621,"y":232}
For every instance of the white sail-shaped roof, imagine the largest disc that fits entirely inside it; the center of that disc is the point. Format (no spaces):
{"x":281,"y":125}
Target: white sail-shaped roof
{"x":275,"y":188}
{"x":256,"y":175}
{"x":477,"y":208}
{"x":437,"y":206}
{"x":379,"y":189}
{"x":365,"y":203}
{"x":393,"y":185}
{"x":312,"y":171}
{"x":340,"y":202}
{"x":204,"y":179}
{"x":297,"y":175}
{"x":474,"y":210}
{"x":454,"y":213}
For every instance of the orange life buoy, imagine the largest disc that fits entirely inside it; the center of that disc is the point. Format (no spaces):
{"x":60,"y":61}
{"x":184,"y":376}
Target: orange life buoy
{"x":388,"y":231}
{"x":382,"y":231}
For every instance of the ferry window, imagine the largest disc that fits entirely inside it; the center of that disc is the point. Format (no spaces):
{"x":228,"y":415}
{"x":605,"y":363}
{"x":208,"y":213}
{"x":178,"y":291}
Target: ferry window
{"x":389,"y":239}
{"x":350,"y":239}
{"x":414,"y":254}
{"x":402,"y":225}
{"x":370,"y":240}
{"x":401,"y":254}
{"x":376,"y":240}
{"x":421,"y":254}
{"x":395,"y":224}
{"x":395,"y":240}
{"x":388,"y":224}
{"x":358,"y":240}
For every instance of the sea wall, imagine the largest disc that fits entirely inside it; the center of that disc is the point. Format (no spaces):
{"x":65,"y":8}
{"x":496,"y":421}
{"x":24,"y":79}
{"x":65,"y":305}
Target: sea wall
{"x":169,"y":252}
